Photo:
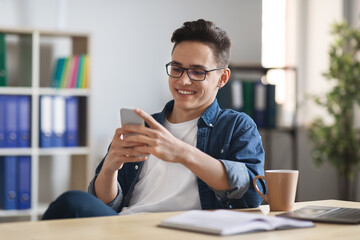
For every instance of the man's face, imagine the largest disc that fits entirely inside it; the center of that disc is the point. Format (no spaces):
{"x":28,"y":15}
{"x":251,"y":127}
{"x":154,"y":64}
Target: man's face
{"x":194,"y":96}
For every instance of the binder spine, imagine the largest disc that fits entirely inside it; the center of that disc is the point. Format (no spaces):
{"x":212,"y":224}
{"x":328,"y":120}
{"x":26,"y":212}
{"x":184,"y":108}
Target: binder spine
{"x":2,"y":120}
{"x":45,"y":121}
{"x":11,"y":122}
{"x":260,"y":105}
{"x":23,"y":121}
{"x":8,"y":182}
{"x":23,"y":182}
{"x":58,"y":121}
{"x":71,"y":135}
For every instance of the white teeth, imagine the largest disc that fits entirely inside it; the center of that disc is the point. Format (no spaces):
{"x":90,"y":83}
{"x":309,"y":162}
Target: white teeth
{"x":186,"y":92}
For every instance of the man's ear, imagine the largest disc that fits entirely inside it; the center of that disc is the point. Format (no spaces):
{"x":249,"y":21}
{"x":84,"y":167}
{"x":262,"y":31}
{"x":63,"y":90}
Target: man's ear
{"x":224,"y":77}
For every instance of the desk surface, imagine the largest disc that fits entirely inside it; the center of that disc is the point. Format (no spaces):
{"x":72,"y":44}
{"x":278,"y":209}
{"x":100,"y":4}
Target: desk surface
{"x":144,"y":226}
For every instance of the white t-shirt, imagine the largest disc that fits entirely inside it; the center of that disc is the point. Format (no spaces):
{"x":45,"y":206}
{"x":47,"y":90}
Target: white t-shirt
{"x":164,"y":186}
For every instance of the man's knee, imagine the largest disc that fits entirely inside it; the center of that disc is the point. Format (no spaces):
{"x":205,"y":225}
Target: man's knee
{"x":75,"y":201}
{"x":68,"y":205}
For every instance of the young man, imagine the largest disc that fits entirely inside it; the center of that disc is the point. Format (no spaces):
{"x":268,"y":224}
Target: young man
{"x":192,"y":155}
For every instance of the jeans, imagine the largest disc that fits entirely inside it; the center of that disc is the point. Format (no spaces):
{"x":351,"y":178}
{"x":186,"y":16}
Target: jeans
{"x":77,"y":204}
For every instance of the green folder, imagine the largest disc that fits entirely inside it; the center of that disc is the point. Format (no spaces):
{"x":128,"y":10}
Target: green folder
{"x":2,"y":60}
{"x":270,"y":106}
{"x":248,"y":94}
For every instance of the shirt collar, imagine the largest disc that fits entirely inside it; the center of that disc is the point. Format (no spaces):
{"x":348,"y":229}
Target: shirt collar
{"x":210,"y":115}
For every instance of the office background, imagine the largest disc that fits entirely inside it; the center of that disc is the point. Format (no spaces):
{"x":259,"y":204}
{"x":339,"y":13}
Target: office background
{"x":130,"y":45}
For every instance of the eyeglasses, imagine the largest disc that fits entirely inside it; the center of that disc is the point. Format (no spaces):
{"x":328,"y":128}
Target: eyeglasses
{"x":195,"y":74}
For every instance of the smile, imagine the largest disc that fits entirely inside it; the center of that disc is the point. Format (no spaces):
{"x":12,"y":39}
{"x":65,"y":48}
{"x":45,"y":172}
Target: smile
{"x":186,"y":92}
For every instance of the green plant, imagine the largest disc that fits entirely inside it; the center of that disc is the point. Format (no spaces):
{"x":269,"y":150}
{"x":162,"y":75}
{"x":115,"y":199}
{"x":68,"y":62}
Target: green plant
{"x":339,"y":142}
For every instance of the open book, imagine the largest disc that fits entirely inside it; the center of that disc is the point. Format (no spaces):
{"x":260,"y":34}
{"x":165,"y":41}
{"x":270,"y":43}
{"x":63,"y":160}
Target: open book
{"x":228,"y":222}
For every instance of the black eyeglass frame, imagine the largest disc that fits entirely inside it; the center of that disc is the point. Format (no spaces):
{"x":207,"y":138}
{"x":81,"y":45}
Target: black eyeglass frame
{"x":188,"y":73}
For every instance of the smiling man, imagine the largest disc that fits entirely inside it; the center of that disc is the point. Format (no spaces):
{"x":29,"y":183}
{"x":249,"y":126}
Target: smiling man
{"x":192,"y":155}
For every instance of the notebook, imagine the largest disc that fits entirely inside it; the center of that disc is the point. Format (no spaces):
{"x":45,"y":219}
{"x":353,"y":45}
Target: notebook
{"x":228,"y":222}
{"x":325,"y":214}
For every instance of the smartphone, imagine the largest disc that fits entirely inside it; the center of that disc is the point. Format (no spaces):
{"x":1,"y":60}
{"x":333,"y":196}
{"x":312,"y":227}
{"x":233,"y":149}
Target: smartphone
{"x":128,"y":116}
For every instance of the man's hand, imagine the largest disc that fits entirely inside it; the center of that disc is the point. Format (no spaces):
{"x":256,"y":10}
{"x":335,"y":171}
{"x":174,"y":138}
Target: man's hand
{"x":121,"y":151}
{"x":155,"y":140}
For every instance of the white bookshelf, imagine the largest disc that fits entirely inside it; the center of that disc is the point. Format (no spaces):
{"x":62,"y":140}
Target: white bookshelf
{"x":39,"y":49}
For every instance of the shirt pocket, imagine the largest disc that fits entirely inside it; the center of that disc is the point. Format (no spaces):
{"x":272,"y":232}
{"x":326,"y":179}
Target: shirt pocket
{"x":223,"y":151}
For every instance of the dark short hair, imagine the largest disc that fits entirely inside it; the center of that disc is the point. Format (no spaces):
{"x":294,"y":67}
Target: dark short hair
{"x":208,"y":33}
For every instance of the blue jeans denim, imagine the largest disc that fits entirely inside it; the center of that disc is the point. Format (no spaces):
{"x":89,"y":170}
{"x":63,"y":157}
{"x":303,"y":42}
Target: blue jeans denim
{"x":77,"y":204}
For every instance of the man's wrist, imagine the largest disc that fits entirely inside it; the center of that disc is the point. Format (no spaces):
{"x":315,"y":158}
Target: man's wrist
{"x":186,"y":155}
{"x":108,"y":173}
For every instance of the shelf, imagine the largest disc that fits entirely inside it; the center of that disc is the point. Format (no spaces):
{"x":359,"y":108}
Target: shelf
{"x":16,"y":213}
{"x":15,"y":151}
{"x":31,"y":57}
{"x":24,"y":213}
{"x":16,"y":90}
{"x":43,"y":32}
{"x":63,"y":151}
{"x":50,"y":33}
{"x":44,"y":151}
{"x":16,"y":30}
{"x":65,"y":91}
{"x":256,"y":67}
{"x":45,"y":91}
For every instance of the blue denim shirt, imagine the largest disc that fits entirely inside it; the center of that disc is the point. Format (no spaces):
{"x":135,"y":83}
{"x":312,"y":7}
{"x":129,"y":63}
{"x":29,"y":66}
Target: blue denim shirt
{"x":227,"y":135}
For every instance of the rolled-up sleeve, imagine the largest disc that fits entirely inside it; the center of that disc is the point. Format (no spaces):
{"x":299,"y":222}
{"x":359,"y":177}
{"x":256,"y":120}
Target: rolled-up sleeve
{"x":114,"y":204}
{"x":238,"y":179}
{"x":243,"y":159}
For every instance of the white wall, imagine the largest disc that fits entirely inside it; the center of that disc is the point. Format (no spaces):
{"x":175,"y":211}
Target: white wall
{"x":315,"y":57}
{"x":314,"y":36}
{"x":131,"y":45}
